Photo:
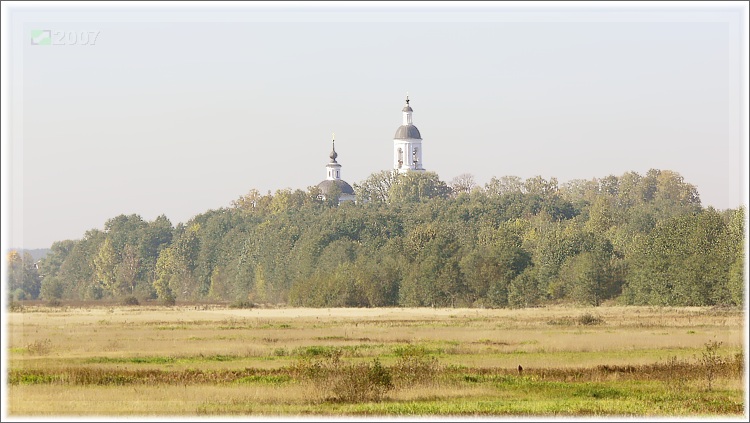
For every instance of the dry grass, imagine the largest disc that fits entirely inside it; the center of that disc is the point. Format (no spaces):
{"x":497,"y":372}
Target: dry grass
{"x":214,"y":360}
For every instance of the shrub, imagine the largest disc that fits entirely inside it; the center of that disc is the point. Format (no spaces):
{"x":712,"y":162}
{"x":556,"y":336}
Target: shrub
{"x":344,"y":382}
{"x":411,"y":369}
{"x":562,"y":321}
{"x":130,"y":301}
{"x":39,"y":347}
{"x":280,"y":352}
{"x":589,"y":319}
{"x":54,"y":303}
{"x":711,"y":361}
{"x":318,"y":350}
{"x":241,"y":304}
{"x":361,"y":382}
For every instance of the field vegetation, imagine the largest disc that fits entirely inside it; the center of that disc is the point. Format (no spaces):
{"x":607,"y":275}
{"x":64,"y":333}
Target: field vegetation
{"x":210,"y":360}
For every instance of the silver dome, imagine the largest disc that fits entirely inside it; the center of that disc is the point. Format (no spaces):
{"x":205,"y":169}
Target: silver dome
{"x":405,"y":132}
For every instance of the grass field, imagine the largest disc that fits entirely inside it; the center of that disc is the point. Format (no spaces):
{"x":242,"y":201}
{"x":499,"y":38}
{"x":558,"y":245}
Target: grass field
{"x":215,"y":361}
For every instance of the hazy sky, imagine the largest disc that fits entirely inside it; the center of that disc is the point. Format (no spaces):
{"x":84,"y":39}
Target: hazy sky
{"x":178,"y":110}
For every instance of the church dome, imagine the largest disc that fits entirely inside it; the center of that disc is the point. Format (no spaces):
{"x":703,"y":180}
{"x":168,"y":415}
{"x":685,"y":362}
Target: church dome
{"x":405,"y":132}
{"x":407,"y":108}
{"x":325,"y":186}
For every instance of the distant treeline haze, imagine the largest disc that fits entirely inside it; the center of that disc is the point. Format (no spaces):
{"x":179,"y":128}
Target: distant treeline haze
{"x":414,"y":240}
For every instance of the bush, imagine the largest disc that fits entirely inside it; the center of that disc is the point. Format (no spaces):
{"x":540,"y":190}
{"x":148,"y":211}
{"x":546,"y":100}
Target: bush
{"x":54,"y":303}
{"x":562,"y":321}
{"x":341,"y":382}
{"x":589,"y":319}
{"x":241,"y":304}
{"x":130,"y":301}
{"x":712,"y":362}
{"x":280,"y":352}
{"x":318,"y":350}
{"x":40,"y":347}
{"x":361,"y":382}
{"x":411,"y":369}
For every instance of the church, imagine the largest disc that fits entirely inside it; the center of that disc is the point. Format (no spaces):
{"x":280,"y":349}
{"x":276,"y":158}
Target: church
{"x":407,"y":157}
{"x":333,"y":181}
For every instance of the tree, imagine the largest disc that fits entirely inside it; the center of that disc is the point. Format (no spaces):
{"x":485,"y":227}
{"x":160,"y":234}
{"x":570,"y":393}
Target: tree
{"x":417,"y":187}
{"x":165,"y":271}
{"x":600,"y":216}
{"x":331,"y":199}
{"x":524,"y":290}
{"x":627,"y":194}
{"x":685,"y":261}
{"x":433,"y":276}
{"x":24,"y":282}
{"x":584,"y":278}
{"x":504,"y":185}
{"x":105,"y":264}
{"x":462,"y":183}
{"x":491,"y":266}
{"x":377,"y":187}
{"x":127,"y":270}
{"x":249,"y":202}
{"x":175,"y":268}
{"x":540,"y":186}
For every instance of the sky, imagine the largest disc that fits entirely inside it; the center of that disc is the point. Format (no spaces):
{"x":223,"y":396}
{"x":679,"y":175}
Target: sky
{"x":179,"y":109}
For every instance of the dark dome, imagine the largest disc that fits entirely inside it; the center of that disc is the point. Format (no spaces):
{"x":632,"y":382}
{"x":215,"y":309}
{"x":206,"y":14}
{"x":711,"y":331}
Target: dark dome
{"x":325,"y":186}
{"x":407,"y":108}
{"x":406,"y":132}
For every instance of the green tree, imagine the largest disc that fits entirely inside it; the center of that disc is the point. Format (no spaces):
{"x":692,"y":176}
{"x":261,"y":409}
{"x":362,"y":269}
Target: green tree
{"x":685,"y":261}
{"x":105,"y":264}
{"x":489,"y":268}
{"x":127,"y":271}
{"x":376,"y":188}
{"x":585,"y":278}
{"x":524,"y":290}
{"x":504,"y":185}
{"x":166,"y":269}
{"x":24,"y":282}
{"x":418,"y":186}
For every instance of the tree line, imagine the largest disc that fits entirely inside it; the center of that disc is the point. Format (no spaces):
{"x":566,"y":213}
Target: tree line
{"x":415,"y":240}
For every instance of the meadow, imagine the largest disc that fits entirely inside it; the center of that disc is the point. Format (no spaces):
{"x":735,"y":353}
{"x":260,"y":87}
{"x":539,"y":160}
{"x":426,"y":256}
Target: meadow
{"x":211,"y":360}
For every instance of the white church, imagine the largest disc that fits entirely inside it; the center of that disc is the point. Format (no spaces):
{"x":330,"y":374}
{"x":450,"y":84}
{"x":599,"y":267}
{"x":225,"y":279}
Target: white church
{"x":407,"y":157}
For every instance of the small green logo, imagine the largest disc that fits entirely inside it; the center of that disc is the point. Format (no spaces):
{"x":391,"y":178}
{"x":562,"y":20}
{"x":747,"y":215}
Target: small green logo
{"x":41,"y":37}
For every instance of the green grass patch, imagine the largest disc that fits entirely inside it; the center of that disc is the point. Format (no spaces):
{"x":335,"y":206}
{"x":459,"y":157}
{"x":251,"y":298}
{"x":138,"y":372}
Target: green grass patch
{"x":264,"y":379}
{"x":315,"y":351}
{"x":597,"y":391}
{"x":130,"y":360}
{"x":415,"y":350}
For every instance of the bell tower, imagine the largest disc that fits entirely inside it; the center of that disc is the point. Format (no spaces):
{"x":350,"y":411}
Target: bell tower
{"x":407,"y":144}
